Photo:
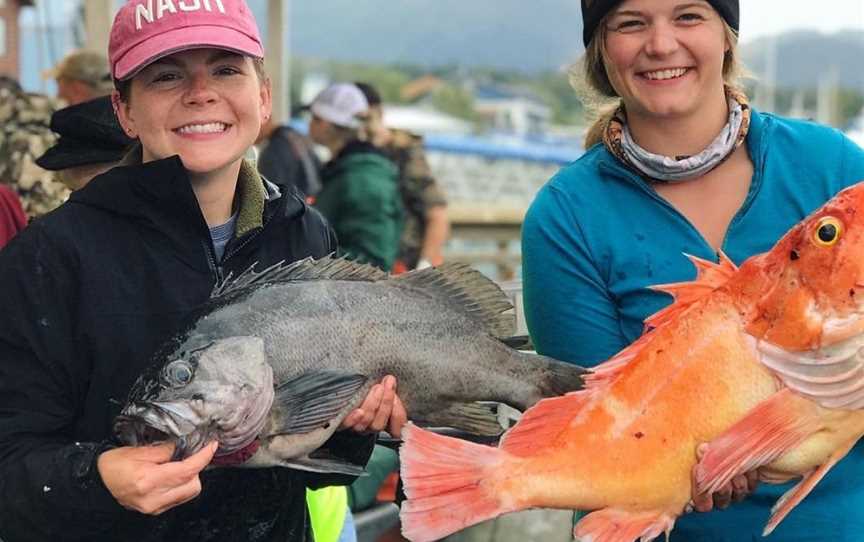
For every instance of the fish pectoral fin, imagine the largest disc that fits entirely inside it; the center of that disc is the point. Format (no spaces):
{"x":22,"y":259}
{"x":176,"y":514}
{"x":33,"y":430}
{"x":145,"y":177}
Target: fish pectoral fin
{"x":314,"y":400}
{"x":614,"y":525}
{"x":480,"y":418}
{"x":324,"y":465}
{"x":773,"y":427}
{"x":791,"y":498}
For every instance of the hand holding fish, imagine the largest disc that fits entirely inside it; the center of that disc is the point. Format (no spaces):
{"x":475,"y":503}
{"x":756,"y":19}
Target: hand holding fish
{"x":736,"y":490}
{"x":381,"y":410}
{"x":145,"y":479}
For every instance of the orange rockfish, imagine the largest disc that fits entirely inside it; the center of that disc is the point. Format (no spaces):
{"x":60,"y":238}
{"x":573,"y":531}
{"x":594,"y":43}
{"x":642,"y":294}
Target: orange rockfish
{"x":764,"y":363}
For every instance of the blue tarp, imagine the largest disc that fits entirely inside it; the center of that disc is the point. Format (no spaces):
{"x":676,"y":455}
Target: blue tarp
{"x":502,"y":147}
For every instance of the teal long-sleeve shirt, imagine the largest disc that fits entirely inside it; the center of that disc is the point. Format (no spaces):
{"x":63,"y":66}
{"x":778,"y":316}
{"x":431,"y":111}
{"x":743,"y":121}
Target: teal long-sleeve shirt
{"x":597,"y":236}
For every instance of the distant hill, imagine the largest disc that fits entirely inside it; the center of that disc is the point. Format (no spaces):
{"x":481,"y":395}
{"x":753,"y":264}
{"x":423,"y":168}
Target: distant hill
{"x":804,"y":58}
{"x":518,"y":35}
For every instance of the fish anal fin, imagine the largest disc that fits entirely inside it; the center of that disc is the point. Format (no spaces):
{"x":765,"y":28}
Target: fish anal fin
{"x":480,"y":418}
{"x":773,"y":427}
{"x":323,"y":465}
{"x":709,"y":277}
{"x":466,"y":290}
{"x":791,"y":498}
{"x":543,"y":422}
{"x":614,"y":525}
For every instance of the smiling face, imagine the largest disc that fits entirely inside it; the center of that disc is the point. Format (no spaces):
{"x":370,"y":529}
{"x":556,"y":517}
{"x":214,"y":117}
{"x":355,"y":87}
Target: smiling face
{"x":665,"y":57}
{"x":206,"y":105}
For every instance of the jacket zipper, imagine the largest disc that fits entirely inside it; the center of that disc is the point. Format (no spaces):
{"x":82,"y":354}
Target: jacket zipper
{"x":211,"y":260}
{"x":247,"y":240}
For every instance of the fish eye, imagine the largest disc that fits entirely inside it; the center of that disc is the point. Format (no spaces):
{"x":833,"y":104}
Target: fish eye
{"x":827,"y":231}
{"x":179,"y":373}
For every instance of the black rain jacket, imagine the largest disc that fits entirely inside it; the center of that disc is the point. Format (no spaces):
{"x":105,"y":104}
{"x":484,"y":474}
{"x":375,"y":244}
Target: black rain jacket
{"x":87,"y":294}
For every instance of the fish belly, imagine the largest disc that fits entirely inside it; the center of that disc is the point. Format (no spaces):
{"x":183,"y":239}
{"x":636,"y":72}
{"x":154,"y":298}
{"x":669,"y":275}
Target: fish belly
{"x":841,"y":427}
{"x":633,"y":445}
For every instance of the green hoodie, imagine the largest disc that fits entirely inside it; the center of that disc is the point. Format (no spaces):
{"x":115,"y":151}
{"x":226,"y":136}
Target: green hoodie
{"x":360,"y":198}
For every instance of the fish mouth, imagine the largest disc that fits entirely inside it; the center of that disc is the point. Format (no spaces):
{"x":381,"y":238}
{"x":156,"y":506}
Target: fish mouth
{"x":153,"y":422}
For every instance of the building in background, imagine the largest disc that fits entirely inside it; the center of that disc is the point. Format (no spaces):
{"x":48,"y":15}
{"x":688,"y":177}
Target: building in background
{"x":511,"y":111}
{"x":9,"y":60}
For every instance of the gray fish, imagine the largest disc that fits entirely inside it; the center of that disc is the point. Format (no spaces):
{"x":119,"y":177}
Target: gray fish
{"x":277,"y":359}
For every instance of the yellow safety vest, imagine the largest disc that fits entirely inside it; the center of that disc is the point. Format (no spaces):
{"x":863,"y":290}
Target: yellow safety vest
{"x":327,"y":508}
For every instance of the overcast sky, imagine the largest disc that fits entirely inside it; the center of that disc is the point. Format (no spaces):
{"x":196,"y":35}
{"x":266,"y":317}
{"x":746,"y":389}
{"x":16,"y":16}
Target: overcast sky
{"x":758,"y":17}
{"x":765,"y":17}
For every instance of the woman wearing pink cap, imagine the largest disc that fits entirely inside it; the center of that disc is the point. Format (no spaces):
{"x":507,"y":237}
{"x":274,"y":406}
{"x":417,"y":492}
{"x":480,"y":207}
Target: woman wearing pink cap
{"x":91,"y":290}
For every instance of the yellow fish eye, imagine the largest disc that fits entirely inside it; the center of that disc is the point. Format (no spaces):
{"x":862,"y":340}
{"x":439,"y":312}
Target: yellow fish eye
{"x":827,"y":232}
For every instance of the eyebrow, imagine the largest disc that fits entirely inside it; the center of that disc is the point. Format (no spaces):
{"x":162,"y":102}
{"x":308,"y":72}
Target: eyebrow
{"x":223,"y":55}
{"x":689,"y":5}
{"x":637,"y":13}
{"x":214,"y":58}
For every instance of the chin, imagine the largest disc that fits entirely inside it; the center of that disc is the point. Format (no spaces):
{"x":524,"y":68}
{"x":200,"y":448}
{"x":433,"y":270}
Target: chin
{"x":213,"y":160}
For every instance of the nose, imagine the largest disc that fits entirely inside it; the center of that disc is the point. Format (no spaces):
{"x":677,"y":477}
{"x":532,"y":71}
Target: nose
{"x":662,"y":40}
{"x":199,"y":91}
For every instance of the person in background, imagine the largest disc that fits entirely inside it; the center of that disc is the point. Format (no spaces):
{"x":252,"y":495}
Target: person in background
{"x":360,"y":196}
{"x":91,"y":142}
{"x":25,"y":135}
{"x":81,"y":76}
{"x":93,"y":289}
{"x":680,"y":164}
{"x":426,"y":225}
{"x":12,"y":217}
{"x":286,"y":157}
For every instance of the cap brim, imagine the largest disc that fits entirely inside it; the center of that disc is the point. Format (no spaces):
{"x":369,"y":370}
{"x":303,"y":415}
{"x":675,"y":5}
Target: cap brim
{"x":183,"y":39}
{"x":69,"y":153}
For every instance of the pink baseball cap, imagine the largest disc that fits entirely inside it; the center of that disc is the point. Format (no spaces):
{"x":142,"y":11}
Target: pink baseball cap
{"x":147,"y":30}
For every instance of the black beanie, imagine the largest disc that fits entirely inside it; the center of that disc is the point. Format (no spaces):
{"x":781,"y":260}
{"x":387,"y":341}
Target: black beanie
{"x":591,"y":17}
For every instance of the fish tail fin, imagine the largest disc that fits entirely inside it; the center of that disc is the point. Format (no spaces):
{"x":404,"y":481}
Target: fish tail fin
{"x":614,"y":525}
{"x":443,"y":480}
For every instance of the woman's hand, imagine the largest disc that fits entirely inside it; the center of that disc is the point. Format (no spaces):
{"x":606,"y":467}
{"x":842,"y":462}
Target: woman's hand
{"x":146,"y":480}
{"x":737,"y":490}
{"x":381,"y":410}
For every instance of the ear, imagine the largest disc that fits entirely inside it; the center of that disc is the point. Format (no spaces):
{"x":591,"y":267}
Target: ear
{"x":121,"y":111}
{"x":266,"y":100}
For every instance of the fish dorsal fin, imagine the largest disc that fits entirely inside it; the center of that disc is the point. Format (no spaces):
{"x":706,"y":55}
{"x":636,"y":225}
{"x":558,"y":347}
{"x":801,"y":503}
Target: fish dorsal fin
{"x":543,"y":423}
{"x":328,"y":268}
{"x":709,"y":277}
{"x":468,"y":291}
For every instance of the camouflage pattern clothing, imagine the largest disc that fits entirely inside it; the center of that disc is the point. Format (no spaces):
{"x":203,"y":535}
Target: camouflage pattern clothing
{"x":24,"y":136}
{"x":419,"y":192}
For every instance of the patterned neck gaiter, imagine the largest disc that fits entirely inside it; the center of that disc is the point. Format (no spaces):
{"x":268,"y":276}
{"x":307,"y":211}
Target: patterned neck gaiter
{"x":620,"y":142}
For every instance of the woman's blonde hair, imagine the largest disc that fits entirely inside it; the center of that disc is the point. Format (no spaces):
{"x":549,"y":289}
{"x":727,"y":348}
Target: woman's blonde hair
{"x":591,"y":81}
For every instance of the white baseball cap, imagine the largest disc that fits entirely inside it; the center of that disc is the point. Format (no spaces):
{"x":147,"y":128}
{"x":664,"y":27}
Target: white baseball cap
{"x":342,"y":104}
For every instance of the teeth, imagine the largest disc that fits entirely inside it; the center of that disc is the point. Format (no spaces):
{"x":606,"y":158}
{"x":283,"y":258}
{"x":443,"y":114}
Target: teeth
{"x":661,"y":75}
{"x":211,"y":128}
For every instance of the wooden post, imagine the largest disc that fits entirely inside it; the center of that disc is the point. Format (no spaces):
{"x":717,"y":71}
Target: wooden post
{"x":98,"y":16}
{"x":278,"y":57}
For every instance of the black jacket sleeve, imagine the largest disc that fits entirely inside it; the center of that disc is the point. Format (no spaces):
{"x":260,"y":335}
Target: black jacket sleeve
{"x":349,"y":446}
{"x":49,"y":486}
